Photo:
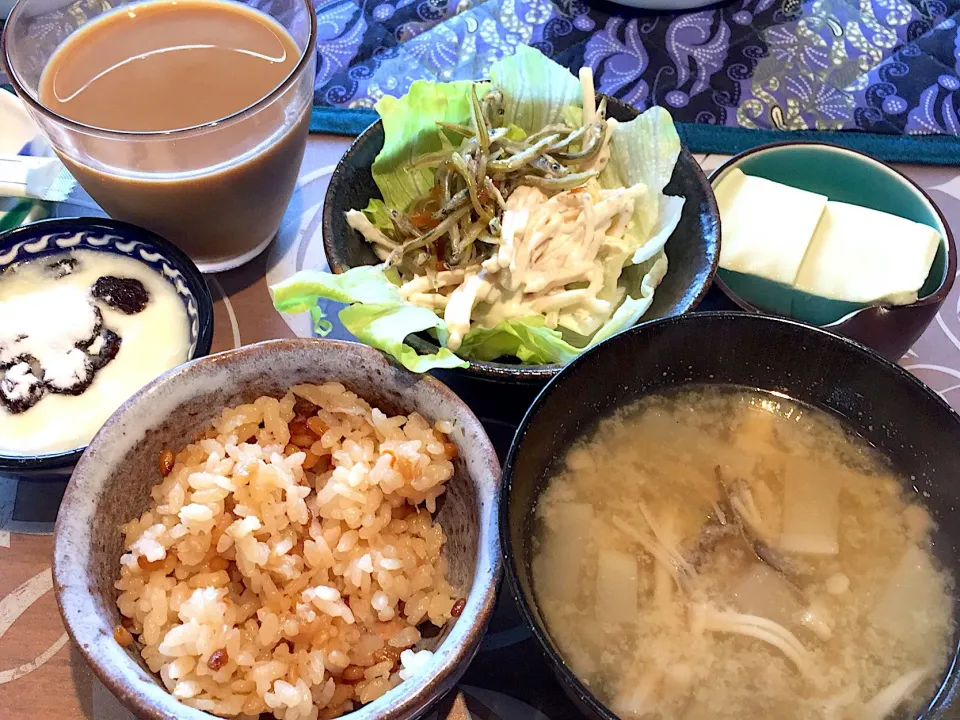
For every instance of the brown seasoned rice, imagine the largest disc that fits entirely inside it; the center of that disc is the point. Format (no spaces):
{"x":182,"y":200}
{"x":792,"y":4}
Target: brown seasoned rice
{"x":254,"y":585}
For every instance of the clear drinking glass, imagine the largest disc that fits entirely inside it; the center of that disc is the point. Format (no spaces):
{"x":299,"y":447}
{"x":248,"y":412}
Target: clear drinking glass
{"x":217,"y":190}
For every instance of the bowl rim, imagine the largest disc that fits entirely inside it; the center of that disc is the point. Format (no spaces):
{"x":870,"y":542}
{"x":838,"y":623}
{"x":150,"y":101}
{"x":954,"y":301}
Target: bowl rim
{"x":934,"y":298}
{"x":306,"y":55}
{"x":192,"y":276}
{"x":524,"y":604}
{"x":73,"y":594}
{"x":505,"y":371}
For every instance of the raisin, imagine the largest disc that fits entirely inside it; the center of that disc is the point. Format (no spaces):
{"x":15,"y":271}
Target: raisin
{"x":20,"y":389}
{"x":59,"y":269}
{"x":108,"y":349}
{"x":127,"y":295}
{"x":97,"y":330}
{"x":78,"y":382}
{"x":303,"y":407}
{"x":7,"y":357}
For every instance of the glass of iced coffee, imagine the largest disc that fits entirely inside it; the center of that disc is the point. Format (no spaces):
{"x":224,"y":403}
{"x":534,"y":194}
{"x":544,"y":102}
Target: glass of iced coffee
{"x":187,"y":117}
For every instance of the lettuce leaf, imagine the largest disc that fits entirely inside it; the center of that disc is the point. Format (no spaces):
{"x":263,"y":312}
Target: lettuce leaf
{"x":528,"y":339}
{"x":536,"y":90}
{"x":645,"y":150}
{"x":321,"y":325}
{"x":387,"y":326}
{"x":378,"y":214}
{"x":632,"y":309}
{"x":377,"y":315}
{"x":363,"y":284}
{"x":410,"y":130}
{"x":671,"y":206}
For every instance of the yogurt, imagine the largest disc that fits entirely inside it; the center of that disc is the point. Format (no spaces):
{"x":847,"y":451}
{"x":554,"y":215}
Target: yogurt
{"x":79,"y":334}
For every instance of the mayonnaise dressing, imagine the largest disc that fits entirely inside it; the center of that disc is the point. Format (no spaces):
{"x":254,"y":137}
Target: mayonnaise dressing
{"x":152,"y":341}
{"x":554,"y":256}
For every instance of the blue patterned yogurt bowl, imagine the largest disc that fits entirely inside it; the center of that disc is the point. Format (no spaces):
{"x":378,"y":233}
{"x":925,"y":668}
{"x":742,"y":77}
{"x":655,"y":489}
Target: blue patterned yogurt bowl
{"x":50,"y":237}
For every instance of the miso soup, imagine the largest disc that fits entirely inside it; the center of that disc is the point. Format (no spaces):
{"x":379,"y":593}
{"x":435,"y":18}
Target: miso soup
{"x":732,"y":554}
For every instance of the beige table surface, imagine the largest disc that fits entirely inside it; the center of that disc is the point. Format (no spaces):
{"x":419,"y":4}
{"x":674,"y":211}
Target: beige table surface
{"x":43,"y":678}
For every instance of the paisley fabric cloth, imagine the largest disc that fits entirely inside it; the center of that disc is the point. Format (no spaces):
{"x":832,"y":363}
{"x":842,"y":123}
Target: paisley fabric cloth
{"x":877,"y":65}
{"x":885,"y":68}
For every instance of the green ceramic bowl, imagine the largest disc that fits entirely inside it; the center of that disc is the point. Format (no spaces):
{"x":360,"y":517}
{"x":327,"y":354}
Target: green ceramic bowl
{"x":851,"y":177}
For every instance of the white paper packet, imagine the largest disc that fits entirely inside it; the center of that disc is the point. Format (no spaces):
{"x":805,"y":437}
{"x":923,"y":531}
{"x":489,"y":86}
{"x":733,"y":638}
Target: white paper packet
{"x":28,"y":167}
{"x":38,"y":178}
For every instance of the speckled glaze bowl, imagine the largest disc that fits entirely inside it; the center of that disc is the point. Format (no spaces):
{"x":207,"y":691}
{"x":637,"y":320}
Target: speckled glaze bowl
{"x":693,"y":249}
{"x":112,"y":481}
{"x":59,"y":235}
{"x":848,"y":176}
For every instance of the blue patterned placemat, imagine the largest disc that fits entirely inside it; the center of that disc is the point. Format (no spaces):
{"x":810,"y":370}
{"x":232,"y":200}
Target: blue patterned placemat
{"x":882,"y":76}
{"x":877,"y":75}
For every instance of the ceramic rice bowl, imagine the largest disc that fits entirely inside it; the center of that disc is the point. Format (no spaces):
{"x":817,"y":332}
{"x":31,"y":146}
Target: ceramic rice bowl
{"x":112,"y":481}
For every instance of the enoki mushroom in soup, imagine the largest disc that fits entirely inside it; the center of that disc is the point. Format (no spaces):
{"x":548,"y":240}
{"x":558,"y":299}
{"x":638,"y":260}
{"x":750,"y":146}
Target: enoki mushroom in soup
{"x":728,"y":554}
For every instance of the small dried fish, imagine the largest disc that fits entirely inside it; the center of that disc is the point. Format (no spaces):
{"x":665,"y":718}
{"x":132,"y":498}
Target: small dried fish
{"x":453,"y":204}
{"x":463,"y":130}
{"x":429,"y":237}
{"x":495,"y":193}
{"x":573,"y":137}
{"x":434,"y":159}
{"x":549,"y":167}
{"x":444,"y":181}
{"x":602,"y":109}
{"x":452,"y":254}
{"x":474,"y":231}
{"x":458,"y":221}
{"x":555,"y":129}
{"x":560,"y":183}
{"x":518,"y":160}
{"x":492,"y":106}
{"x":479,"y":122}
{"x":402,"y":224}
{"x":592,"y":145}
{"x":461,"y":166}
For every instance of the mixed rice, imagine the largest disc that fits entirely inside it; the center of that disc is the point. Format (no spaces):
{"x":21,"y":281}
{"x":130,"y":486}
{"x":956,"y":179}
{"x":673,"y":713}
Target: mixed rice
{"x":289,"y":556}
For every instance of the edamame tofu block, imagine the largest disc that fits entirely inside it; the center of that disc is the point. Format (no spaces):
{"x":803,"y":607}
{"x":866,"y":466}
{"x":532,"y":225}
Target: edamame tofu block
{"x":766,"y":226}
{"x":863,"y":255}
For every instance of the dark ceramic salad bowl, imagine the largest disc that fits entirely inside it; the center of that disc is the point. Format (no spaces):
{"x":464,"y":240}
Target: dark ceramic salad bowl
{"x":693,"y":249}
{"x":884,"y":404}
